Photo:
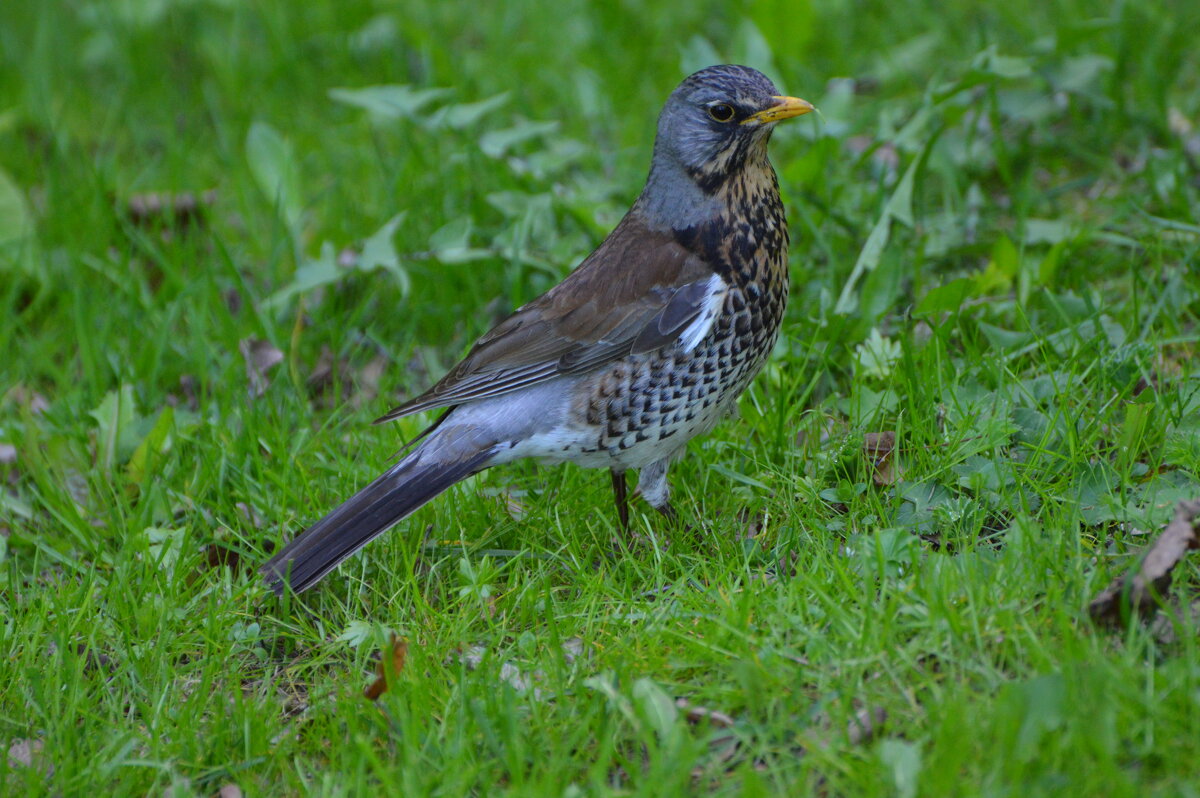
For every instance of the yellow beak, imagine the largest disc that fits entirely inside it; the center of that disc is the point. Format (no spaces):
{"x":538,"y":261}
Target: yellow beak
{"x":784,"y":108}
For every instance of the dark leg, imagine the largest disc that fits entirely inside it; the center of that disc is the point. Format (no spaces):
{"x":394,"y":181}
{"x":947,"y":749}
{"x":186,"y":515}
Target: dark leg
{"x":621,"y":495}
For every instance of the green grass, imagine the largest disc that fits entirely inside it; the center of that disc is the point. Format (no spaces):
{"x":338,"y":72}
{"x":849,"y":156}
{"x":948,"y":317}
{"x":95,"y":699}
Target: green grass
{"x":1028,"y":331}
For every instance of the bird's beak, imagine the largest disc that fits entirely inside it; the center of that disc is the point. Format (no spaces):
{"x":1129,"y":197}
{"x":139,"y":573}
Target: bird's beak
{"x":784,"y":108}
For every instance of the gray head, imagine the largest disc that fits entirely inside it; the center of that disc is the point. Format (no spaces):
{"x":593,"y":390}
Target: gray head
{"x":716,"y":121}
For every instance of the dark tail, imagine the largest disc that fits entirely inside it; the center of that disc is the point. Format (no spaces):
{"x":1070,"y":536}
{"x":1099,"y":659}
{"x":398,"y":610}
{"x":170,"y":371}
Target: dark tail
{"x":364,"y":516}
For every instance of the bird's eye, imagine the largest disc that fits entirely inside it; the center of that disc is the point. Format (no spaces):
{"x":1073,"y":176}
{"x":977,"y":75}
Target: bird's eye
{"x":721,"y":112}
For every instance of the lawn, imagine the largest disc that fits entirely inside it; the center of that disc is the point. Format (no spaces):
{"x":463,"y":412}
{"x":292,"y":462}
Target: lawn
{"x":231,"y":234}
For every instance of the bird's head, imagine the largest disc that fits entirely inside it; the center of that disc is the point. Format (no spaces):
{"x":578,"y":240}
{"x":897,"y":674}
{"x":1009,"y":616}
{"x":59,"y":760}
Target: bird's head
{"x":717,"y":119}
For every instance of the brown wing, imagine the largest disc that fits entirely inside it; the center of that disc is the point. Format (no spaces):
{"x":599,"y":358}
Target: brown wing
{"x":637,"y":292}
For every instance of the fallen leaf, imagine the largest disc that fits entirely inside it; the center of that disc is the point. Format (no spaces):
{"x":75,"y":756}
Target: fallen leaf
{"x":250,"y":513}
{"x":879,"y":448}
{"x":21,"y":752}
{"x":216,"y":555}
{"x":572,"y":649}
{"x":753,"y":523}
{"x":389,"y":666}
{"x":521,"y":682}
{"x":865,"y":724}
{"x":695,"y":714}
{"x":187,"y":386}
{"x":95,"y":660}
{"x":525,"y":682}
{"x":513,"y":505}
{"x":472,"y":657}
{"x":233,"y":300}
{"x":260,"y":356}
{"x":1140,"y":591}
{"x":92,"y":661}
{"x":327,"y":372}
{"x":26,"y":753}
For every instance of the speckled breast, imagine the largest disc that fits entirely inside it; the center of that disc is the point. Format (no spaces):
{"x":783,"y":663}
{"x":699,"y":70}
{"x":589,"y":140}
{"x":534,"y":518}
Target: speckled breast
{"x":647,"y":407}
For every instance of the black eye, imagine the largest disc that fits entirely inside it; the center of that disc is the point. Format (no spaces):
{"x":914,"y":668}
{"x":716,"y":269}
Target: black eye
{"x":721,"y":112}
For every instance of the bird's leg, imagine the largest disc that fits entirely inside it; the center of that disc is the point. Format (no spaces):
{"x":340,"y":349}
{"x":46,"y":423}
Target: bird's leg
{"x":621,"y":495}
{"x":653,"y":485}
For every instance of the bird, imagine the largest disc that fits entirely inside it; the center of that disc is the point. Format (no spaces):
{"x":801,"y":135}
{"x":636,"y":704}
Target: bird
{"x":644,"y":346}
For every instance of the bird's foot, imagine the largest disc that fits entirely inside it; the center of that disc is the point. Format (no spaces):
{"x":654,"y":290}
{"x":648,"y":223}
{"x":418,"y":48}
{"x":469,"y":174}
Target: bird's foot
{"x":674,"y":520}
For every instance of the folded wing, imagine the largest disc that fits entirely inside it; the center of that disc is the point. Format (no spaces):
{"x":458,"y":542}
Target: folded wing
{"x":639,"y":291}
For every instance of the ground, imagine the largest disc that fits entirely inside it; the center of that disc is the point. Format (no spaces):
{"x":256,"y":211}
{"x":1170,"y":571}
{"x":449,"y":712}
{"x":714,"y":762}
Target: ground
{"x":232,"y":234}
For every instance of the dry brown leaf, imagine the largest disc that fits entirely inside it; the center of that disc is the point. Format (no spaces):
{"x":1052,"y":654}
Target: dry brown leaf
{"x":880,"y":448}
{"x":217,"y":555}
{"x":1140,"y":591}
{"x":391,"y":662}
{"x":260,"y":356}
{"x":95,"y":661}
{"x":695,"y":714}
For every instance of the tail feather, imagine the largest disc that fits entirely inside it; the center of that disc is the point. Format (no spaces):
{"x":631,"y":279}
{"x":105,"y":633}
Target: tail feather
{"x":363,"y":517}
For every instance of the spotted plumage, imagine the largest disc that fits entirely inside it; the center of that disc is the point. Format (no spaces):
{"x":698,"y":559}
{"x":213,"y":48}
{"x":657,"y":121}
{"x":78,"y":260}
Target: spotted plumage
{"x":646,"y":345}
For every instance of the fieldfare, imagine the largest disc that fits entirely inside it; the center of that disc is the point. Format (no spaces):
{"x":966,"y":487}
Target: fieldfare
{"x":644,"y":346}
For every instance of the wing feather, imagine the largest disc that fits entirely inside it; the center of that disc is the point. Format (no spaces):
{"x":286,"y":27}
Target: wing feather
{"x":639,"y":291}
